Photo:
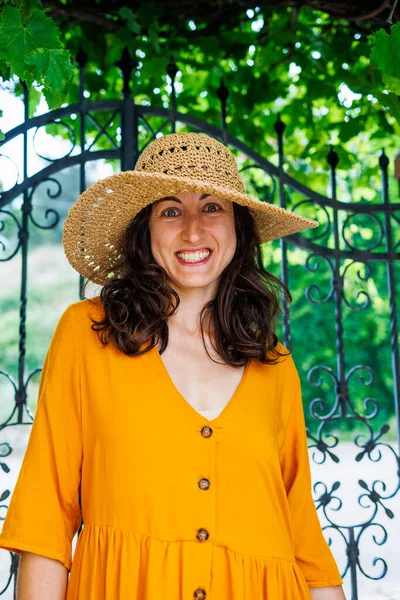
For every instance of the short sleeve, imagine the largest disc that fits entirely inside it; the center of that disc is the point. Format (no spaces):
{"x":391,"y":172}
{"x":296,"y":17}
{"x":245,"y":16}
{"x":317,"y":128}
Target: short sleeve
{"x":44,"y":511}
{"x":312,"y":552}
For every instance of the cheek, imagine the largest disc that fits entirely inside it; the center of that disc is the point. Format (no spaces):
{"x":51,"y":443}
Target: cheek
{"x":226,"y":234}
{"x":161,"y":239}
{"x":231,"y":243}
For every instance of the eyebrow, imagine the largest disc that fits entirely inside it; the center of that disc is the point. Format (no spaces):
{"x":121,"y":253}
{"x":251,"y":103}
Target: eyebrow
{"x":175,"y":199}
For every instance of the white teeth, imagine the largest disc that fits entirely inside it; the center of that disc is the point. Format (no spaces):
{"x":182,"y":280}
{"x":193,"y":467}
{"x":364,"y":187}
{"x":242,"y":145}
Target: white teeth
{"x":193,"y":256}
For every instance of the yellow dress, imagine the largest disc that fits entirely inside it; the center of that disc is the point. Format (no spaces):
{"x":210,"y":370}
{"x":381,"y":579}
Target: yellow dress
{"x":175,"y":506}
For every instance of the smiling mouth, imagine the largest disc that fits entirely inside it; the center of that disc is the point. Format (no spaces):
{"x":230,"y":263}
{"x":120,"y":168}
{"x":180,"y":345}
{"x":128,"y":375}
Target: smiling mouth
{"x":193,"y":257}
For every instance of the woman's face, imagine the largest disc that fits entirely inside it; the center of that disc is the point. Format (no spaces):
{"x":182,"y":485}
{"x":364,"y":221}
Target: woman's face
{"x":193,"y":238}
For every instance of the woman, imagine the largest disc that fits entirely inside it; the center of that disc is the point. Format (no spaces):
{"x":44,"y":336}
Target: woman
{"x":170,"y":418}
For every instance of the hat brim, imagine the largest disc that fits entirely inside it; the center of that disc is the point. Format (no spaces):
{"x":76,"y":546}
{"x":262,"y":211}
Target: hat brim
{"x":95,"y":223}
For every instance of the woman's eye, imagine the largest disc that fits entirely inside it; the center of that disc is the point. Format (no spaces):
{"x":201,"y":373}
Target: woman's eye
{"x":213,"y":206}
{"x":164,"y":214}
{"x":168,"y":210}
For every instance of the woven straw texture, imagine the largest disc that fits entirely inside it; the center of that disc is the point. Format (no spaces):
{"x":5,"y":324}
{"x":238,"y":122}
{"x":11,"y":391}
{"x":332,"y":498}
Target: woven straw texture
{"x":177,"y":162}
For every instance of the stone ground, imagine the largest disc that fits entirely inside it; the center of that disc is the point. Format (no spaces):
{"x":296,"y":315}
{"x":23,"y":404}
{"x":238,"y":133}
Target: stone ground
{"x":347,"y":472}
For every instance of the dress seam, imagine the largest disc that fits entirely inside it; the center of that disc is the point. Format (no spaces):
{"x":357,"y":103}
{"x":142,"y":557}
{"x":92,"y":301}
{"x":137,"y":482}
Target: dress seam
{"x":326,"y":583}
{"x":78,"y":512}
{"x":296,"y":392}
{"x":151,"y":537}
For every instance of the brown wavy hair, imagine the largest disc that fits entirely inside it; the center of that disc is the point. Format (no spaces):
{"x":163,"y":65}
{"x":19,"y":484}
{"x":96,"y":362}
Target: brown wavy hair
{"x":243,"y":314}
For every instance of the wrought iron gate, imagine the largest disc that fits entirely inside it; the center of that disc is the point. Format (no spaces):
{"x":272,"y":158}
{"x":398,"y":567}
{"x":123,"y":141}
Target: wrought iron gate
{"x":332,"y":247}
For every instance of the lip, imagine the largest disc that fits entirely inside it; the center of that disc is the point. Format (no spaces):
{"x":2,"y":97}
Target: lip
{"x":195,"y":264}
{"x":202,"y":248}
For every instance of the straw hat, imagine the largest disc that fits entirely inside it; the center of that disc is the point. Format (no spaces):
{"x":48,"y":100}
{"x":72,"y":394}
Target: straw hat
{"x":178,"y":162}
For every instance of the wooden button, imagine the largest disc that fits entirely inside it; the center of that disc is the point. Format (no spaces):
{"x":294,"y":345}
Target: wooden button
{"x":202,"y":535}
{"x":200,"y":594}
{"x":206,"y":431}
{"x":203,"y":484}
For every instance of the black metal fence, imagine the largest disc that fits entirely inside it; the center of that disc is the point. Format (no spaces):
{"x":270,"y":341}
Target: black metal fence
{"x":331,"y":245}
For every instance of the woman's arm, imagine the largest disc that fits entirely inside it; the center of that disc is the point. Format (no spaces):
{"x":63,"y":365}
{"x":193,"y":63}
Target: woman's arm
{"x":44,"y":512}
{"x":328,"y":593}
{"x":41,"y":578}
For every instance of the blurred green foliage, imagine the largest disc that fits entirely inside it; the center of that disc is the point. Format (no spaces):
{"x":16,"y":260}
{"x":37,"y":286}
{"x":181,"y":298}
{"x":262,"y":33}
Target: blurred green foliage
{"x":312,"y":69}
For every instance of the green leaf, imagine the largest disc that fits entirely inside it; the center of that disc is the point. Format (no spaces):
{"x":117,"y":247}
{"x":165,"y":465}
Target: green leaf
{"x":392,"y":102}
{"x":129,"y":16}
{"x":349,"y":129}
{"x":115,"y":47}
{"x":27,"y":6}
{"x":5,"y":72}
{"x":19,"y":38}
{"x":54,"y":68}
{"x":384,"y":54}
{"x":43,"y":30}
{"x":54,"y":98}
{"x":153,"y":35}
{"x":392,"y":84}
{"x":12,"y":39}
{"x":385,"y":49}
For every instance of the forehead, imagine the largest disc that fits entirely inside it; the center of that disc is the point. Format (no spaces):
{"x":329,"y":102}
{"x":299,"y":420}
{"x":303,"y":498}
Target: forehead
{"x":178,"y":197}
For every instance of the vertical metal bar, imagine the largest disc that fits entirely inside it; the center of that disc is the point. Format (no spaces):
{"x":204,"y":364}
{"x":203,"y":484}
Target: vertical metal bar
{"x":342,"y":391}
{"x":81,"y":58}
{"x":352,"y":554}
{"x":24,"y":236}
{"x":129,"y":144}
{"x":172,"y":70}
{"x":394,"y":329}
{"x":21,"y":396}
{"x":280,"y":128}
{"x":128,"y":150}
{"x":135,"y":120}
{"x":222,"y":94}
{"x":333,"y":161}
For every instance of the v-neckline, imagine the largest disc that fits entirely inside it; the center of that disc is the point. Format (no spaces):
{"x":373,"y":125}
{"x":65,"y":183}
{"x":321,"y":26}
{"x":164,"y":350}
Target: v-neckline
{"x":228,"y":405}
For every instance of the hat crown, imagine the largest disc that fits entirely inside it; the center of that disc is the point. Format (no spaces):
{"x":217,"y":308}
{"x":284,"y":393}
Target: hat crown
{"x":193,"y":155}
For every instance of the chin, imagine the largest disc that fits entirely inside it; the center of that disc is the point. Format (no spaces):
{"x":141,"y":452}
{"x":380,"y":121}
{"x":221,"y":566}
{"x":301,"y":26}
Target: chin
{"x":194,"y":282}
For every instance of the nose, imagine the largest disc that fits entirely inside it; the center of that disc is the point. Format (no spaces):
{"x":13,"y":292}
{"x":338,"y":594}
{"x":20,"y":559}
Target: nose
{"x":193,"y":227}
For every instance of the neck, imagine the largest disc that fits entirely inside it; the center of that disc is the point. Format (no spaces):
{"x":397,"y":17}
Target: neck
{"x":187,"y":316}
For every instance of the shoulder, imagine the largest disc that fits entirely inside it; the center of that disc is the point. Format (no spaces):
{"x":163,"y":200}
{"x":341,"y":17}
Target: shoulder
{"x":288,"y":389}
{"x":285,"y":376}
{"x":76,"y":317}
{"x":285,"y":361}
{"x":79,"y":317}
